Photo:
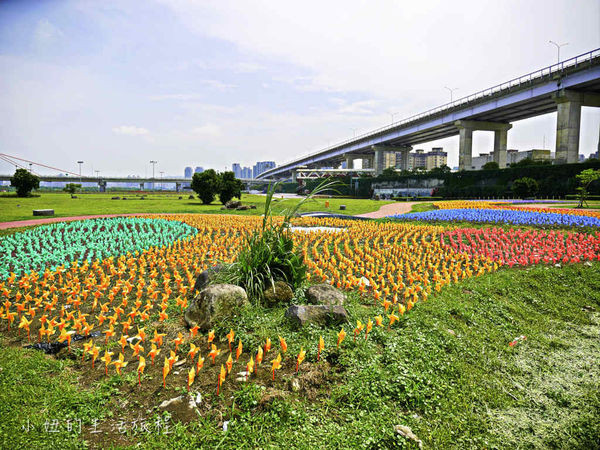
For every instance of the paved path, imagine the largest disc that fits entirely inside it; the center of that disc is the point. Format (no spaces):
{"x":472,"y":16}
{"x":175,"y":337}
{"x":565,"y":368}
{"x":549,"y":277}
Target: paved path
{"x":389,"y":210}
{"x":28,"y":223}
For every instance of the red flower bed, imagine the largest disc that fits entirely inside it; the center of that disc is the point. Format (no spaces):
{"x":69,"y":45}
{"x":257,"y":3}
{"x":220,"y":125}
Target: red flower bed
{"x":524,"y":247}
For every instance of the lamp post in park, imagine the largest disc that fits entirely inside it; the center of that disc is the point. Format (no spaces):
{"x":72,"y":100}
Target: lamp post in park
{"x":153,"y":166}
{"x":161,"y":182}
{"x":80,"y":163}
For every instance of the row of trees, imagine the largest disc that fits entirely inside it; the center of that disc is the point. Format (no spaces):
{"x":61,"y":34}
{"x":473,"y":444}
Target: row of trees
{"x":209,"y":184}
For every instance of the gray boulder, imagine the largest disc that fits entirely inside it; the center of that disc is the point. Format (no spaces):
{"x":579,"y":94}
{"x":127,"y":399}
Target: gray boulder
{"x":323,"y":315}
{"x":279,"y":293}
{"x":207,"y":276}
{"x":216,"y":302}
{"x":233,"y":204}
{"x":324,"y":294}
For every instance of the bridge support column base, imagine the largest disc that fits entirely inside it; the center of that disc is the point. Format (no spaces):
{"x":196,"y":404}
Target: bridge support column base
{"x":378,"y":160}
{"x":349,"y":162}
{"x":294,"y":176}
{"x":500,"y":138}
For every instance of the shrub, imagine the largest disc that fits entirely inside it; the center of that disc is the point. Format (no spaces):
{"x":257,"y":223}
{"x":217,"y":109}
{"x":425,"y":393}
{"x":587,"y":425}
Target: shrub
{"x":25,"y":182}
{"x":229,"y":187}
{"x":206,"y":185}
{"x":525,"y":187}
{"x":491,"y":165}
{"x":71,"y":188}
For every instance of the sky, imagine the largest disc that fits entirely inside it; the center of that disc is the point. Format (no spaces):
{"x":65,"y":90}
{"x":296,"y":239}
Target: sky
{"x":203,"y":83}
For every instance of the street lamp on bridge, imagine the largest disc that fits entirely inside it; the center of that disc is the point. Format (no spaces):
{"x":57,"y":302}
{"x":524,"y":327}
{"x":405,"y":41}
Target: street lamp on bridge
{"x":558,"y":46}
{"x":451,"y":91}
{"x":153,"y":165}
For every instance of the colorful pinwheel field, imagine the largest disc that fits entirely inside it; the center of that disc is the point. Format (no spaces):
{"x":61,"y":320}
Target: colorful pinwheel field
{"x":109,"y":295}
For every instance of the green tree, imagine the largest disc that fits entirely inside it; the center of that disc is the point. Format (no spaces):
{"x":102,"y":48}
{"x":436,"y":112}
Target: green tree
{"x":229,"y":187}
{"x":71,"y":188}
{"x":491,"y":165}
{"x":206,"y":185}
{"x":388,"y":172}
{"x":442,"y":170}
{"x":585,"y":178}
{"x":25,"y":182}
{"x":525,"y":187}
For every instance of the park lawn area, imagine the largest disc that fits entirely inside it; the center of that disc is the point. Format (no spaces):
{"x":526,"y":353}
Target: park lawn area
{"x":14,"y":208}
{"x":445,"y":370}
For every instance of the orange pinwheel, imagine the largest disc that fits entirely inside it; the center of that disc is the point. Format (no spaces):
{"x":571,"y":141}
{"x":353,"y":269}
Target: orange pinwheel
{"x":268,"y":345}
{"x":221,"y":378}
{"x":238,"y":352}
{"x":229,"y":363}
{"x":249,"y":367}
{"x":368,"y":328}
{"x":401,"y":309}
{"x":199,"y":363}
{"x":158,"y":338}
{"x":194,"y":331}
{"x":94,"y":351}
{"x":120,"y":363}
{"x":393,"y":317}
{"x":140,"y":369}
{"x":106,"y":358}
{"x":211,"y":337}
{"x":86,"y":349}
{"x":259,"y":356}
{"x":172,"y":359}
{"x":141,"y":334}
{"x":66,"y":336}
{"x":214,"y":352}
{"x":178,"y":341}
{"x":123,"y":342}
{"x":109,"y":333}
{"x":162,"y":316}
{"x":358,"y":329}
{"x":137,"y":348}
{"x":320,"y":347}
{"x":153,"y":352}
{"x":25,"y":324}
{"x":300,"y":358}
{"x":341,"y":337}
{"x":230,"y":337}
{"x":166,"y":370}
{"x":191,"y":376}
{"x":276,"y":364}
{"x":193,"y":351}
{"x":282,"y":344}
{"x":379,"y":321}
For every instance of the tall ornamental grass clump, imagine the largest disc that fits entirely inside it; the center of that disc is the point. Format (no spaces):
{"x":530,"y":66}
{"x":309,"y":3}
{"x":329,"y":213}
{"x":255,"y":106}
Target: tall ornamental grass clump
{"x":269,"y":254}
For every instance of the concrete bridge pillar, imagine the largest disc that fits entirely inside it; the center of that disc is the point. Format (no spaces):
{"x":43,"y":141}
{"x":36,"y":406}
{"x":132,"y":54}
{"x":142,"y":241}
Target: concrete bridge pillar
{"x":101,"y":186}
{"x":465,"y":148}
{"x":349,"y":162}
{"x":367,"y":163}
{"x":294,"y":176}
{"x":177,"y":187}
{"x":465,"y":143}
{"x":141,"y":186}
{"x":378,"y":160}
{"x":568,"y":122}
{"x":404,"y":157}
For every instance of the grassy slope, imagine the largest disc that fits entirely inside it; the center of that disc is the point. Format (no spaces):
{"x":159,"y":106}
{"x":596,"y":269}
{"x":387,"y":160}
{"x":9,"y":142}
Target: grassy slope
{"x":86,"y":204}
{"x":446,"y":371}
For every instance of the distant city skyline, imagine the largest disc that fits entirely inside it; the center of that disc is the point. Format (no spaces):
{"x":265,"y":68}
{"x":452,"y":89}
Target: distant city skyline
{"x":119,"y":84}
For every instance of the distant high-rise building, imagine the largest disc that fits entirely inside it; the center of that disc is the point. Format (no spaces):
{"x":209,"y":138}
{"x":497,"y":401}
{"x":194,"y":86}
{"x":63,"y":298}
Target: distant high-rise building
{"x":188,"y":172}
{"x":247,"y":173}
{"x":437,"y":157}
{"x":237,"y":170}
{"x":199,"y":170}
{"x":262,"y":166}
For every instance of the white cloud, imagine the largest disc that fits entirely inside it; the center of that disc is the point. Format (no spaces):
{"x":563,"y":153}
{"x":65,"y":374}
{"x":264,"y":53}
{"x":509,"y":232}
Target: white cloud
{"x":45,"y":32}
{"x":208,"y":130}
{"x":218,"y":85}
{"x":130,"y":130}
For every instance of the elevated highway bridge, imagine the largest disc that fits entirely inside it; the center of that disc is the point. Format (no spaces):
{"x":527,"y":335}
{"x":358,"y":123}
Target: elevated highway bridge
{"x":563,"y":87}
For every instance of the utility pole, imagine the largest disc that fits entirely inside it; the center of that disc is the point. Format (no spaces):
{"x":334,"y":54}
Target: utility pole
{"x":161,"y":178}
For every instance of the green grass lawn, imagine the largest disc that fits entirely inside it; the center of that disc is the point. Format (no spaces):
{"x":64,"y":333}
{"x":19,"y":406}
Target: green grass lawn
{"x":14,"y":208}
{"x":446,"y":370}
